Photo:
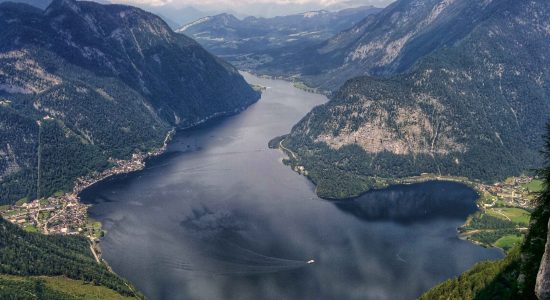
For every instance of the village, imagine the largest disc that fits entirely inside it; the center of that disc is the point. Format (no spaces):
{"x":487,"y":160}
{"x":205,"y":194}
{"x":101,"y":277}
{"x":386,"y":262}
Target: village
{"x":60,"y":214}
{"x":64,"y":213}
{"x":504,"y":212}
{"x":514,"y":191}
{"x":517,"y":191}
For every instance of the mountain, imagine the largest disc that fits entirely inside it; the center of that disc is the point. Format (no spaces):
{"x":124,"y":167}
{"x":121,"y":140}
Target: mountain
{"x":82,"y":84}
{"x":174,"y":17}
{"x":253,"y":41}
{"x":178,"y":16}
{"x":383,"y":44}
{"x":475,"y":107}
{"x":42,"y":4}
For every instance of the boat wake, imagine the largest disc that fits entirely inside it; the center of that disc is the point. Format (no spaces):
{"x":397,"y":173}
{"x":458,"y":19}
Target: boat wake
{"x":228,"y":258}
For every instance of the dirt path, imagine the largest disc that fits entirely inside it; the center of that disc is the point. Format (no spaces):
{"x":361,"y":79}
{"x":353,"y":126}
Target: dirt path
{"x":94,"y":253}
{"x":287,"y":150}
{"x":500,"y":213}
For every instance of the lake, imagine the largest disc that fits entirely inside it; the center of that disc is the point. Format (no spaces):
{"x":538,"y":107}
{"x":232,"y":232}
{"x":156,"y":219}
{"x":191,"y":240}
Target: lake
{"x":220,"y":217}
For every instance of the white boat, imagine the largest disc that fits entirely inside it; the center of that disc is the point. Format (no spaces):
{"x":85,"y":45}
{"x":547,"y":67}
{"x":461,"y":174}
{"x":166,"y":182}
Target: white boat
{"x":311,"y":261}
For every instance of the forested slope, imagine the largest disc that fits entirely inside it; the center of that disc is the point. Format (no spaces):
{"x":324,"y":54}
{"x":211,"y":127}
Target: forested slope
{"x":475,"y":109}
{"x":81,"y":83}
{"x":32,"y":254}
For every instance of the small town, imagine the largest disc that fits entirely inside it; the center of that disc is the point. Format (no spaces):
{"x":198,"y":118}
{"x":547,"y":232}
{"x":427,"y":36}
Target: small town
{"x":504,"y":212}
{"x":514,"y":191}
{"x":64,"y":213}
{"x":61,"y":214}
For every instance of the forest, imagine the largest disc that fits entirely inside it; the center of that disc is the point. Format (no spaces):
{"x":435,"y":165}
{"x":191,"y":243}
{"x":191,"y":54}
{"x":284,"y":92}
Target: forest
{"x":32,"y":254}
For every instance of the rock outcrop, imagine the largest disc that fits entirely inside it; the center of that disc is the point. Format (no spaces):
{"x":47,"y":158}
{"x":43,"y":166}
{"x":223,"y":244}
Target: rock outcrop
{"x":542,"y":289}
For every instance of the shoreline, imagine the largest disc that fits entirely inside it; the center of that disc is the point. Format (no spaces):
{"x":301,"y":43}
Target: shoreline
{"x":141,"y":161}
{"x":65,"y":212}
{"x":482,"y":190}
{"x":295,"y":80}
{"x":138,"y":160}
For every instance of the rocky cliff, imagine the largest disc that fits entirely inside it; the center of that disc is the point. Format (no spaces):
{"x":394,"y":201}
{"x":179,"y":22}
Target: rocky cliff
{"x":542,"y":288}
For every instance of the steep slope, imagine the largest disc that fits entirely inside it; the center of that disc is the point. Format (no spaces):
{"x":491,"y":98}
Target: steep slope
{"x":253,"y":41}
{"x":475,"y":108}
{"x":387,"y":43}
{"x":24,"y":254}
{"x":542,"y":286}
{"x":81,"y":83}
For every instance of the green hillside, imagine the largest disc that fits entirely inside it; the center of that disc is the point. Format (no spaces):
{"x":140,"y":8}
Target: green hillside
{"x":27,"y":255}
{"x":474,"y":110}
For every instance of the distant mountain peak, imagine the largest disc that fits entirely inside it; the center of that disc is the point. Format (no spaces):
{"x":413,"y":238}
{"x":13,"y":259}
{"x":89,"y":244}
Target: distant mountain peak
{"x":199,"y":21}
{"x":241,"y":41}
{"x":63,"y":4}
{"x":311,"y":14}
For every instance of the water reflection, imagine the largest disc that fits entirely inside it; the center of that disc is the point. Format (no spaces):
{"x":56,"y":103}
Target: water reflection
{"x":413,"y":203}
{"x":220,"y":217}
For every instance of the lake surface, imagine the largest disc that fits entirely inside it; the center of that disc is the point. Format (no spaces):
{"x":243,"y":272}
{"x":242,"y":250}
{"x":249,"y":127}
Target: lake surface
{"x":220,"y":217}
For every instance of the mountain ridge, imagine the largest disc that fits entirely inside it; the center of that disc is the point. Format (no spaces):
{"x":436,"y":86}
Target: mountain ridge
{"x":111,"y":87}
{"x":460,"y":111}
{"x":254,"y":41}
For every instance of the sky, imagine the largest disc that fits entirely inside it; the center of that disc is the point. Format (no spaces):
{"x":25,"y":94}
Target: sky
{"x":259,"y":8}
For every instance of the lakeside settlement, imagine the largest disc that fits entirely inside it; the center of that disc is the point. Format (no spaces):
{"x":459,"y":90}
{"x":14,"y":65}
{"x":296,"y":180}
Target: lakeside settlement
{"x":64,"y":213}
{"x":504,"y":207}
{"x":502,"y":219}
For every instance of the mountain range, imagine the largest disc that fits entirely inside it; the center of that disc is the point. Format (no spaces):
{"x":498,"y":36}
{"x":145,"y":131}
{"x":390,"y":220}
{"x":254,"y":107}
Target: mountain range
{"x":386,"y":43}
{"x":253,"y":41}
{"x":470,"y":101}
{"x":82,"y":84}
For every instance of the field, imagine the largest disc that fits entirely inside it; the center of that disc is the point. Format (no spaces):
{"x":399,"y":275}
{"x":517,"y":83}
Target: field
{"x":94,"y":229}
{"x":53,"y":288}
{"x":80,"y":289}
{"x":22,"y":201}
{"x":516,"y":215}
{"x":31,"y":228}
{"x":534,"y":186}
{"x":508,"y":241}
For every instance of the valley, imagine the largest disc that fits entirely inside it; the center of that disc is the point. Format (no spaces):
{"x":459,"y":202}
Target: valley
{"x":235,"y":221}
{"x":251,"y":42}
{"x":351,"y":153}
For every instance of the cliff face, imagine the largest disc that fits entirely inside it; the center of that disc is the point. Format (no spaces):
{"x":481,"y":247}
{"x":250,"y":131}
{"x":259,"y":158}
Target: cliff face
{"x":542,"y":288}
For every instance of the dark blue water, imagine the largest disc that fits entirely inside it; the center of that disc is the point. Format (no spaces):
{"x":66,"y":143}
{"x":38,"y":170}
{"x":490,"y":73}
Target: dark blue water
{"x":220,"y":217}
